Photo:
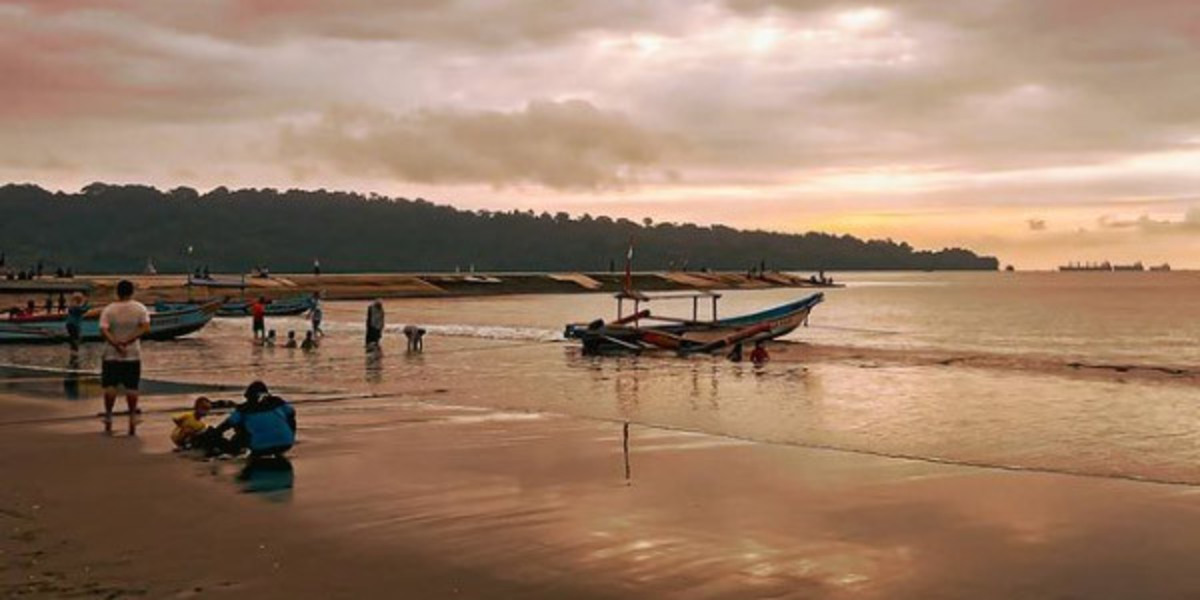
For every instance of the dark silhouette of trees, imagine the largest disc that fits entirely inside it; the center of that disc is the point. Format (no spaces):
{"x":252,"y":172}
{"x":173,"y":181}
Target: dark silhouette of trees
{"x":115,"y":228}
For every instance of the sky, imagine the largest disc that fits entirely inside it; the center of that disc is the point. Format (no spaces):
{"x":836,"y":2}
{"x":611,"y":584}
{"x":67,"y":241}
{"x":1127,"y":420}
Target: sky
{"x":1039,"y":131}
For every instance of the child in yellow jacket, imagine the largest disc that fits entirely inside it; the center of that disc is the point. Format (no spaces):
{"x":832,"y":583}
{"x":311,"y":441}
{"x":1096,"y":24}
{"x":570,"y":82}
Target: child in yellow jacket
{"x":190,"y":424}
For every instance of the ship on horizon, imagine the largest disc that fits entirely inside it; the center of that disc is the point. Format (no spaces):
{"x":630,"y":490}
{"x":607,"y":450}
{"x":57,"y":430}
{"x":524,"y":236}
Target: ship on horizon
{"x":1102,"y":266}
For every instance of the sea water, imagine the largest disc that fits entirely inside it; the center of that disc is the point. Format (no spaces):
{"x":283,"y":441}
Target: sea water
{"x":1083,"y":373}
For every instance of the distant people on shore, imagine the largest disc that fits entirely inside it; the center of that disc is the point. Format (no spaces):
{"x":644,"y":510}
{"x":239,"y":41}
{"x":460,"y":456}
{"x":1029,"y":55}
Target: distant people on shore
{"x":122,"y":324}
{"x":258,"y":313}
{"x":375,"y":324}
{"x":416,"y":338}
{"x":265,"y":425}
{"x":190,"y":425}
{"x":62,"y":302}
{"x":316,"y":267}
{"x":820,"y":279}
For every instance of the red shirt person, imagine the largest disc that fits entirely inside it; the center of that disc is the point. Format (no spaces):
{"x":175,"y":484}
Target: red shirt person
{"x":760,"y":356}
{"x":258,"y":310}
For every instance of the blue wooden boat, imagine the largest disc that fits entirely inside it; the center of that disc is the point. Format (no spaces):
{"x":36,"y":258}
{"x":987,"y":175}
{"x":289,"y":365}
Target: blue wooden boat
{"x":164,"y":325}
{"x":283,"y":307}
{"x":641,"y":330}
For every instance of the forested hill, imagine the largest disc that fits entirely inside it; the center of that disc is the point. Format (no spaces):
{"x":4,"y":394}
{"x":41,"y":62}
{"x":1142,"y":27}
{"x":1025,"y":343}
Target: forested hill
{"x":115,"y":228}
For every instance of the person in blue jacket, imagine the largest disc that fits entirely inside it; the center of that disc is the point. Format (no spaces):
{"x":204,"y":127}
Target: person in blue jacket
{"x":265,"y":425}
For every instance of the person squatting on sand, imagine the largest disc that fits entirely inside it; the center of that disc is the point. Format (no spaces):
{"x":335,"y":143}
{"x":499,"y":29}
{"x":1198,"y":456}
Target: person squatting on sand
{"x":264,"y":424}
{"x":375,"y":323}
{"x":190,"y":425}
{"x":122,"y":324}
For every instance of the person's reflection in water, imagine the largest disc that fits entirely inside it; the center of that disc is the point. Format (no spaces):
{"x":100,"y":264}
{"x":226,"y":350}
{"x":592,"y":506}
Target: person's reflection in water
{"x":273,"y":477}
{"x":71,"y":380}
{"x":373,"y":367}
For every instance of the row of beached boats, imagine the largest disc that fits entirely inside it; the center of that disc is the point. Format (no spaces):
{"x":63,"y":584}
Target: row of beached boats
{"x":168,"y":320}
{"x":637,"y":331}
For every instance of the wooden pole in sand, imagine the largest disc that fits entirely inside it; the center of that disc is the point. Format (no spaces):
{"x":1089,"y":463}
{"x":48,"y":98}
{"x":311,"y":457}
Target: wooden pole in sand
{"x":625,"y":446}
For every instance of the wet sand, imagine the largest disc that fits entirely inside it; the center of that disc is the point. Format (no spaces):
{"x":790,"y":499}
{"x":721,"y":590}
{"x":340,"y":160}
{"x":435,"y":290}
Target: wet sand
{"x":420,"y":495}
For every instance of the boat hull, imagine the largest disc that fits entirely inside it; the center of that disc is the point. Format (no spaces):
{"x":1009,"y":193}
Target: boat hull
{"x":241,"y":308}
{"x":693,"y":337}
{"x":164,"y":325}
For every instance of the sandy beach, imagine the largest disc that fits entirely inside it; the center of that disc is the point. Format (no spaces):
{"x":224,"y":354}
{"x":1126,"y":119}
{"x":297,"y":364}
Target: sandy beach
{"x":430,"y":500}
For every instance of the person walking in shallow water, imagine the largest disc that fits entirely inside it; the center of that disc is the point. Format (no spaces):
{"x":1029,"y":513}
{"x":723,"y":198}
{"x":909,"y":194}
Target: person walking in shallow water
{"x":75,"y":314}
{"x":122,"y":324}
{"x":315,"y":314}
{"x":258,"y":311}
{"x":375,"y":323}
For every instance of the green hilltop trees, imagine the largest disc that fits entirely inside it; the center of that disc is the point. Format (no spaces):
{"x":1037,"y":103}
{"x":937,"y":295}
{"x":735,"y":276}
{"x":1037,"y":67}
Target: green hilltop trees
{"x":116,"y":228}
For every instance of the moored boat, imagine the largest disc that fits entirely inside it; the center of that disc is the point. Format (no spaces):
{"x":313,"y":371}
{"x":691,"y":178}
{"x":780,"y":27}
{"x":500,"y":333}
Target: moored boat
{"x":643,"y":330}
{"x":164,"y":325}
{"x":283,"y":307}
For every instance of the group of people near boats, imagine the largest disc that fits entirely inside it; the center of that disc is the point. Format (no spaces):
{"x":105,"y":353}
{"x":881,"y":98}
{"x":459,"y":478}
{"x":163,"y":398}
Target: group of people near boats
{"x":264,"y":425}
{"x":265,"y":337}
{"x":759,"y":357}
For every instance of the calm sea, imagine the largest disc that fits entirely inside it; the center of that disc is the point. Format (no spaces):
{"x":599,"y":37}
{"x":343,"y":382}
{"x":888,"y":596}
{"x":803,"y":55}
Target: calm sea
{"x":997,"y":384}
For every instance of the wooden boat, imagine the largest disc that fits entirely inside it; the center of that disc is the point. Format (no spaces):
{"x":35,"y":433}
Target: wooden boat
{"x":164,"y":325}
{"x":283,"y":307}
{"x":213,"y":282}
{"x":643,"y":330}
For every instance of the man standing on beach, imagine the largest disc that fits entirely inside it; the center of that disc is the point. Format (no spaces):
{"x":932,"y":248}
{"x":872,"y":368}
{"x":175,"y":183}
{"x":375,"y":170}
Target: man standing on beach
{"x":122,"y":324}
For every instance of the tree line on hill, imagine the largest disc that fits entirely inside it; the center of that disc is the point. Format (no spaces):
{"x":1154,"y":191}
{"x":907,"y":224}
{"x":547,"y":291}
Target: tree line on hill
{"x":117,"y":228}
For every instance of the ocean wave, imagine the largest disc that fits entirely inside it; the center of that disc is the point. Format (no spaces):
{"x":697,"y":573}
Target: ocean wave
{"x":462,"y":330}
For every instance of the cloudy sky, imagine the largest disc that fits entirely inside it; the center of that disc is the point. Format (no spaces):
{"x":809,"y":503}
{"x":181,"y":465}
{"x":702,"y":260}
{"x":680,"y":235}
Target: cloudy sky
{"x":1038,"y":130}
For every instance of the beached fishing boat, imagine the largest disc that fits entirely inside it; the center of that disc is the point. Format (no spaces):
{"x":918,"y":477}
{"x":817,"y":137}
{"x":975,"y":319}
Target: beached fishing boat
{"x":164,"y":325}
{"x":283,"y":307}
{"x":642,"y":330}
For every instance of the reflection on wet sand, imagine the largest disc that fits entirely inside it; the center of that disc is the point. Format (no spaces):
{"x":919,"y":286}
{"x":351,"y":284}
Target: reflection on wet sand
{"x":272,"y":477}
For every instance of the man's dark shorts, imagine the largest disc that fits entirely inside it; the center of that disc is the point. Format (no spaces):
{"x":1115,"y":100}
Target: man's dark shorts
{"x":122,"y":373}
{"x":259,"y":324}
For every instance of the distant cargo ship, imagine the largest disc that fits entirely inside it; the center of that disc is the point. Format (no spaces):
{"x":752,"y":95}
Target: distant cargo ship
{"x":1105,"y":266}
{"x":1162,"y":267}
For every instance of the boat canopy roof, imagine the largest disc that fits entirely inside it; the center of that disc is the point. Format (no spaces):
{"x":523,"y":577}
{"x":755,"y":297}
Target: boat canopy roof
{"x":646,"y":297}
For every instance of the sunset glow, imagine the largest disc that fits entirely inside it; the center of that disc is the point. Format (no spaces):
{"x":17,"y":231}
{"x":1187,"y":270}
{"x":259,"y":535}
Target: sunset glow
{"x":888,"y":119}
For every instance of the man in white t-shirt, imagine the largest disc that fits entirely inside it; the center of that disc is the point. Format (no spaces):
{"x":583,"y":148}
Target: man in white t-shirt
{"x":122,"y":324}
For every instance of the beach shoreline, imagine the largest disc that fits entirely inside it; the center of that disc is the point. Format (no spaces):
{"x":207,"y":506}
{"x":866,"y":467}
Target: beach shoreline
{"x":362,"y":286}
